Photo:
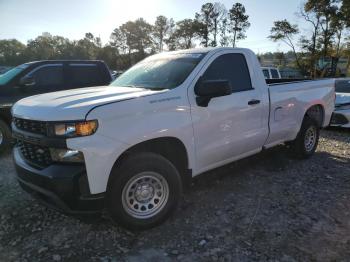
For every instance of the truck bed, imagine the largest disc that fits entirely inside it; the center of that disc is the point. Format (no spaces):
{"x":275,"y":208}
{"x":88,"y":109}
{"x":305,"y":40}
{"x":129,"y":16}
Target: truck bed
{"x":288,"y":101}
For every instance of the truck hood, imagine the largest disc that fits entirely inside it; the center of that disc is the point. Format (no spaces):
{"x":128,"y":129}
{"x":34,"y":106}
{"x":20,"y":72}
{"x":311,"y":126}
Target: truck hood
{"x":74,"y":104}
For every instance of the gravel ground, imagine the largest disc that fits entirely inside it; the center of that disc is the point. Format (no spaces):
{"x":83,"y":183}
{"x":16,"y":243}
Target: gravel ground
{"x":264,"y":208}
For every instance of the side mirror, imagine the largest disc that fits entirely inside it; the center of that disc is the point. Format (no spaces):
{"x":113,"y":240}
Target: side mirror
{"x":206,"y":90}
{"x":27,"y":81}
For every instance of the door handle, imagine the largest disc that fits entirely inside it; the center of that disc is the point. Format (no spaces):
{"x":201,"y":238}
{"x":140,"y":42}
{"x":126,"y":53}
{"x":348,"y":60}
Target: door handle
{"x":253,"y":102}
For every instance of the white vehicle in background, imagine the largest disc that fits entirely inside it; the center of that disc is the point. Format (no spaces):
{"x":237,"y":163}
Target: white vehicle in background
{"x":130,"y":147}
{"x":271,"y":73}
{"x":341,"y":115}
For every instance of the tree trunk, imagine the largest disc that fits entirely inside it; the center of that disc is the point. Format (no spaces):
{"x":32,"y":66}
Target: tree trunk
{"x":297,"y":59}
{"x":215,"y":31}
{"x":234,"y":38}
{"x":326,"y":39}
{"x":129,"y":55}
{"x":339,"y":35}
{"x":161,"y":43}
{"x":313,"y":55}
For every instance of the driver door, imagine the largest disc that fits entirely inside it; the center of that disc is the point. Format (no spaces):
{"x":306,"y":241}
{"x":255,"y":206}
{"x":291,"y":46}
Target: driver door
{"x":43,"y":79}
{"x":230,"y":126}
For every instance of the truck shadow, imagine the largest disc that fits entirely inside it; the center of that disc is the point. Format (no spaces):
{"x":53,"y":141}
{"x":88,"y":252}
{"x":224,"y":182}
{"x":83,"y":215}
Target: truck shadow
{"x":274,"y":160}
{"x":337,"y":133}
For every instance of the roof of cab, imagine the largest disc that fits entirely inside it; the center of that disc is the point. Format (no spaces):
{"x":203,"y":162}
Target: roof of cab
{"x":205,"y":50}
{"x":197,"y":51}
{"x":63,"y":61}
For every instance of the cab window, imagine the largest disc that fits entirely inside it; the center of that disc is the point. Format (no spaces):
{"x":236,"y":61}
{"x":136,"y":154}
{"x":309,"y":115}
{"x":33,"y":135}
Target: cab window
{"x":231,"y":67}
{"x":274,"y":74}
{"x":266,"y":73}
{"x":84,"y":75}
{"x":48,"y":77}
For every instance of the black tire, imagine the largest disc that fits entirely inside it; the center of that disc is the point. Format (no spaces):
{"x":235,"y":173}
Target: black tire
{"x":299,"y":147}
{"x":125,"y":177}
{"x":5,"y":136}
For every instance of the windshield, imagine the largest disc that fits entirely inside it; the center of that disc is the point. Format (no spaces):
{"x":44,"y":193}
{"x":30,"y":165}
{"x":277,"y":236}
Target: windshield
{"x":342,"y":86}
{"x":165,"y":72}
{"x":5,"y":78}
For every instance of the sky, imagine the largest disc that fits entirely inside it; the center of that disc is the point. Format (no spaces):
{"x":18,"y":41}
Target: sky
{"x":26,"y":19}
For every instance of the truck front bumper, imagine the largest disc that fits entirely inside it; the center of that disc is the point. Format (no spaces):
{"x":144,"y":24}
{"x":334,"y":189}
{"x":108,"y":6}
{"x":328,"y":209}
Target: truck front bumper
{"x":59,"y":186}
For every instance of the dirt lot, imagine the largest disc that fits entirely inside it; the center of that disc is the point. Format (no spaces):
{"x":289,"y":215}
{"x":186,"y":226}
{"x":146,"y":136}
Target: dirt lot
{"x":267,"y":208}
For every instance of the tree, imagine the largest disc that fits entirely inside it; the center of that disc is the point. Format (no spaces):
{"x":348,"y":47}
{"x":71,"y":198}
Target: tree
{"x":110,"y":55}
{"x":347,"y":54}
{"x":41,"y":48}
{"x":238,"y":22}
{"x":133,"y":36}
{"x":63,"y":47}
{"x":284,"y":31}
{"x":310,"y":45}
{"x":143,"y":35}
{"x":118,"y":39}
{"x":186,"y":31}
{"x":88,"y":47}
{"x":218,"y":15}
{"x":161,"y":30}
{"x":205,"y":22}
{"x":280,"y":57}
{"x":11,"y":52}
{"x":208,"y":22}
{"x":223,"y":27}
{"x":345,"y":9}
{"x":338,"y":25}
{"x":326,"y":10}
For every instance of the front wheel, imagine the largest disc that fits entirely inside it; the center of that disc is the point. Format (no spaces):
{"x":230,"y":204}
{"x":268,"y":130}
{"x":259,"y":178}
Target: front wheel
{"x":143,"y":191}
{"x":306,"y":142}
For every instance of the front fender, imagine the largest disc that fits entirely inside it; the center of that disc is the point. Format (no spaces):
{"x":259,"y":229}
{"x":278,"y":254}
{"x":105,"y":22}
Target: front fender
{"x":128,"y":123}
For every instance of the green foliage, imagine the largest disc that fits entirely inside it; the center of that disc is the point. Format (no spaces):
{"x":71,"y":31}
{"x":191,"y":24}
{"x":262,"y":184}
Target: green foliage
{"x":285,"y":31}
{"x":345,"y":9}
{"x":134,"y":40}
{"x":329,"y":20}
{"x":162,"y":29}
{"x":205,"y":22}
{"x":238,"y":22}
{"x":11,"y":52}
{"x":212,"y":25}
{"x":185,"y":33}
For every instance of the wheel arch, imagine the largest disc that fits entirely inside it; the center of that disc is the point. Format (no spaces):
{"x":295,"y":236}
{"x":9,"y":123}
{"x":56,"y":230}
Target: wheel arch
{"x":316,"y":112}
{"x":171,"y":148}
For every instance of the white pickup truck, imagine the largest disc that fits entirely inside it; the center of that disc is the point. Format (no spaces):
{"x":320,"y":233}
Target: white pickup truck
{"x":130,"y":147}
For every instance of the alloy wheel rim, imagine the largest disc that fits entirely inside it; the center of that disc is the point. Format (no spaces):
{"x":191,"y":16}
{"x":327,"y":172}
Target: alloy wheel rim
{"x":145,"y":195}
{"x":310,"y":138}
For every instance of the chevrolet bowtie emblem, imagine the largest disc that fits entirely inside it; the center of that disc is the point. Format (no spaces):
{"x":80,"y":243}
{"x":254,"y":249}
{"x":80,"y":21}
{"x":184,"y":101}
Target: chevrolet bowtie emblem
{"x":40,"y":151}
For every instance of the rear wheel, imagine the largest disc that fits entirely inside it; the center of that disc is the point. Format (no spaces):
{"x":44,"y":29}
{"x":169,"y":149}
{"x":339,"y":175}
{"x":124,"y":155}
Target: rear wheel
{"x":5,"y":136}
{"x":306,"y":142}
{"x":144,"y":191}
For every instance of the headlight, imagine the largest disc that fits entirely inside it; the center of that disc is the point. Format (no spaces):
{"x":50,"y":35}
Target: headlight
{"x":85,"y":128}
{"x":66,"y":155}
